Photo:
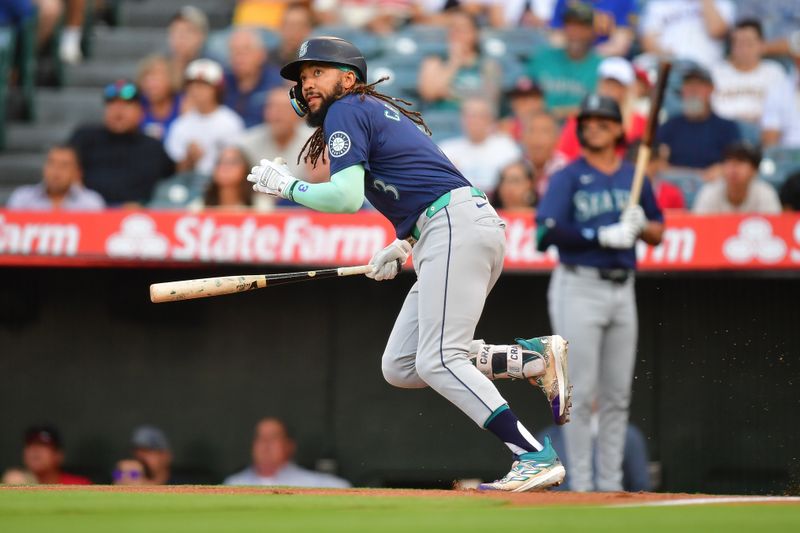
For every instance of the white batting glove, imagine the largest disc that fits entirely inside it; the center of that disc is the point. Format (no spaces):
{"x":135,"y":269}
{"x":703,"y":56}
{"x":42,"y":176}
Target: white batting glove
{"x":620,"y":236}
{"x":388,"y":262}
{"x":634,"y":215}
{"x":272,"y":177}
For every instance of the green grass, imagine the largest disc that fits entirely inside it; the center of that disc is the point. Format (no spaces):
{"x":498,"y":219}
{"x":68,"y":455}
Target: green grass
{"x":107,"y":512}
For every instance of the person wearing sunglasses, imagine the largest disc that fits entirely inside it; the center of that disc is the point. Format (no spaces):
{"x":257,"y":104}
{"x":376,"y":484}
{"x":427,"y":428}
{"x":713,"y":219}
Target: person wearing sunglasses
{"x":119,"y":161}
{"x":130,"y":472}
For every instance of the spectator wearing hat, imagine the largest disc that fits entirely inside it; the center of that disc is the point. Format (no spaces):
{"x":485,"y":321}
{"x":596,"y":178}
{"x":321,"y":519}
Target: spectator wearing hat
{"x":687,"y":29}
{"x":186,"y":37}
{"x":568,"y":73}
{"x":525,"y":99}
{"x":697,"y":137}
{"x":741,"y":83}
{"x":249,"y":77}
{"x":197,"y":136}
{"x":151,"y":447}
{"x":617,"y":81}
{"x":61,"y":188}
{"x":119,"y":161}
{"x":613,"y":20}
{"x":738,"y":190}
{"x":272,"y":452}
{"x":43,"y":456}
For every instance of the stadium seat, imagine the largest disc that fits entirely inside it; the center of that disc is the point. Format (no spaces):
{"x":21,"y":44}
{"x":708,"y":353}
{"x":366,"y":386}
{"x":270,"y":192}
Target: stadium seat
{"x":416,"y":42}
{"x":778,"y":163}
{"x":26,"y":66}
{"x":444,"y":124}
{"x":369,"y":44}
{"x":520,"y":43}
{"x":7,"y":37}
{"x":178,"y":191}
{"x":687,"y":181}
{"x":402,"y":78}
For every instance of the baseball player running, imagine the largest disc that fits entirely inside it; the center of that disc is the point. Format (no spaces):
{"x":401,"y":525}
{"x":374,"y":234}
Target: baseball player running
{"x":591,"y":295}
{"x":378,"y":150}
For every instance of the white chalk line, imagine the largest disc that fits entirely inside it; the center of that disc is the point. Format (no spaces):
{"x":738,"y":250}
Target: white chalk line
{"x":712,"y":501}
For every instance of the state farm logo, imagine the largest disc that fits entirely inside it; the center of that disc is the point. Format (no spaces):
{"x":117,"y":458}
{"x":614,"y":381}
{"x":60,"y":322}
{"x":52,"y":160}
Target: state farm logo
{"x":138,"y":238}
{"x":755,"y":240}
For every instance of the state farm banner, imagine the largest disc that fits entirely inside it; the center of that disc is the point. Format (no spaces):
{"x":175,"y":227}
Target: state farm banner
{"x":301,"y":237}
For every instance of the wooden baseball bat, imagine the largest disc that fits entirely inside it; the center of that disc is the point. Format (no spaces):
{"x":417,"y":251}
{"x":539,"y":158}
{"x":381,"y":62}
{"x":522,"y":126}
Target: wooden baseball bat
{"x":649,"y":137}
{"x":174,"y":291}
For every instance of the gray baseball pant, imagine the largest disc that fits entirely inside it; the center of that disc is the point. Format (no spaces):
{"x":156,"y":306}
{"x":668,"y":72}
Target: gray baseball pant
{"x":458,"y":259}
{"x":599,"y":319}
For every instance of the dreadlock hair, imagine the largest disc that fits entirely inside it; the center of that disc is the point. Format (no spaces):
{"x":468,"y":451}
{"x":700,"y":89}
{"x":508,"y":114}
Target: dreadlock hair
{"x":315,"y":145}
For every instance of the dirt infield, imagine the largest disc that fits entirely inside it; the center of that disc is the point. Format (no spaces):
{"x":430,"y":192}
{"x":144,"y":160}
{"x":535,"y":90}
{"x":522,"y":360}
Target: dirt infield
{"x":528,"y":499}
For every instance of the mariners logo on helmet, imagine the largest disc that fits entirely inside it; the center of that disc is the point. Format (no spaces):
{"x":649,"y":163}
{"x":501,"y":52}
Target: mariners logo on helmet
{"x":303,"y":49}
{"x":338,"y":144}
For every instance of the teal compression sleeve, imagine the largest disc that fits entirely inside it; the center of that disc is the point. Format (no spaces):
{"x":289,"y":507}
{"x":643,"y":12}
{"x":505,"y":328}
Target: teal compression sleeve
{"x":343,"y":194}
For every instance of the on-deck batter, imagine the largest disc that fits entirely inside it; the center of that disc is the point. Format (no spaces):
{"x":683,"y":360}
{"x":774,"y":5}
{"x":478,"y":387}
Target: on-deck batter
{"x":378,"y":150}
{"x":591,"y":296}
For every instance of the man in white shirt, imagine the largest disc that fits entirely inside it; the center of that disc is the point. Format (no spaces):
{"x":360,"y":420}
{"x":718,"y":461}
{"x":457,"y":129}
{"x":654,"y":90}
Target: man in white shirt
{"x":272,"y":452}
{"x":738,"y":190}
{"x":741,"y":83}
{"x":780,"y":123}
{"x":687,"y":29}
{"x":196,"y":137}
{"x":481,"y":153}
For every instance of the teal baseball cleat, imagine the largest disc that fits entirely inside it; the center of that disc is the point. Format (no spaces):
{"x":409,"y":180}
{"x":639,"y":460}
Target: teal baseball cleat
{"x":531,"y":471}
{"x":554,"y":382}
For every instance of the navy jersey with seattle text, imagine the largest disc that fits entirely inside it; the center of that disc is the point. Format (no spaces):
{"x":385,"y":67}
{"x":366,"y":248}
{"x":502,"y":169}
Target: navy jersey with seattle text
{"x":582,"y":198}
{"x":405,"y":171}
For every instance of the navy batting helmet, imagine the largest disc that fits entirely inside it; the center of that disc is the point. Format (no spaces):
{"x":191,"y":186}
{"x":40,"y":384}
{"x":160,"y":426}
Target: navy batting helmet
{"x":331,"y":50}
{"x":598,"y":106}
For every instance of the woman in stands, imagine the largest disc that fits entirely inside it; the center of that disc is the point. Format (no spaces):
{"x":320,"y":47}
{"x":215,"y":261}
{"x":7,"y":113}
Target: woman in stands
{"x":229,"y":188}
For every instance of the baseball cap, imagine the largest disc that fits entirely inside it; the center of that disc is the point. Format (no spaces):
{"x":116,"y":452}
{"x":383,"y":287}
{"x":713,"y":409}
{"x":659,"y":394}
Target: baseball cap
{"x":121,"y":90}
{"x":205,"y":70}
{"x":193,"y":15}
{"x":696,"y":72}
{"x":743,"y":151}
{"x":45,"y":434}
{"x":616,"y":68}
{"x":149,"y":438}
{"x":525,"y":86}
{"x":580,"y":13}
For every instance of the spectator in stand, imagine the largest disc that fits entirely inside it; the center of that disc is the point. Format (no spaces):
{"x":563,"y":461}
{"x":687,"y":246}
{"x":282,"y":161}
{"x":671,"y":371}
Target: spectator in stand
{"x":52,"y":13}
{"x":618,"y":82}
{"x":482,"y":152}
{"x":119,"y":161}
{"x":780,"y":124}
{"x":568,"y":73}
{"x":151,"y":447}
{"x":130,"y":472}
{"x":741,"y":83}
{"x":229,"y":189}
{"x":539,"y":143}
{"x":249,"y":77}
{"x":282,"y":134}
{"x":525,"y":99}
{"x":515,"y":188}
{"x":697,"y":137}
{"x":739,"y":190}
{"x":197,"y":136}
{"x":187,"y":33}
{"x":687,"y":29}
{"x":790,"y":193}
{"x":61,"y":187}
{"x":14,"y":12}
{"x":161,"y":101}
{"x":668,"y":195}
{"x":466,"y":72}
{"x":272,"y":452}
{"x":613,"y":20}
{"x":43,"y":456}
{"x":296,"y":26}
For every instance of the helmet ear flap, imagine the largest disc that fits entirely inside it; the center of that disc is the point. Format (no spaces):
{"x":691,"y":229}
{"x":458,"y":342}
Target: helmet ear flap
{"x":299,"y":103}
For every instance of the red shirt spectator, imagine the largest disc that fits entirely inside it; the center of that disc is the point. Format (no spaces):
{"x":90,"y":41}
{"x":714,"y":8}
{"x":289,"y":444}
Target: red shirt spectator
{"x":43,"y":456}
{"x":668,"y":195}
